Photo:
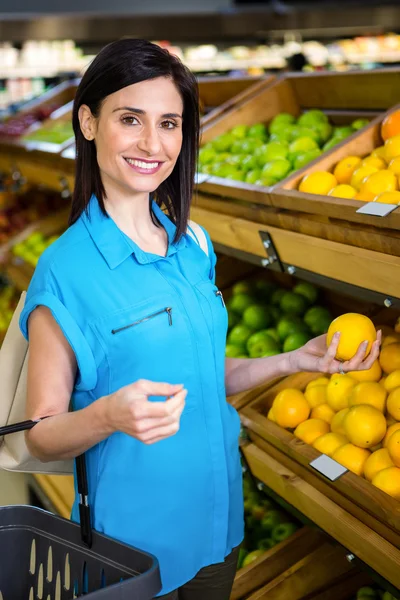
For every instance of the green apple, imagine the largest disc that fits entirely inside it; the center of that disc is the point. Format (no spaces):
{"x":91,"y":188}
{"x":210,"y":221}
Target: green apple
{"x":271,"y":520}
{"x":266,"y":544}
{"x":295,"y":341}
{"x":239,"y":335}
{"x":251,"y":557}
{"x":253,"y":176}
{"x":207,"y":155}
{"x":315,"y":314}
{"x":258,"y":130}
{"x":308,"y":290}
{"x":223,"y":142}
{"x":242,"y":287}
{"x":294,"y":304}
{"x":277,"y":296}
{"x":283,"y":531}
{"x":303,"y":159}
{"x":262,"y":345}
{"x":242,"y":555}
{"x":233,"y":351}
{"x":301,"y":145}
{"x":359,"y":124}
{"x":240,"y":132}
{"x":278,"y":169}
{"x":366,"y":592}
{"x":249,"y":163}
{"x":324,"y":131}
{"x":288,"y":325}
{"x":311,"y":117}
{"x":273,"y":151}
{"x":257,"y":317}
{"x":239,"y":302}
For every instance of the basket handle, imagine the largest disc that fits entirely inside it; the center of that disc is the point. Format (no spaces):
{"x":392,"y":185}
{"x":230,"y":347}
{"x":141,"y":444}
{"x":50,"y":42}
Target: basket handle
{"x":81,"y":475}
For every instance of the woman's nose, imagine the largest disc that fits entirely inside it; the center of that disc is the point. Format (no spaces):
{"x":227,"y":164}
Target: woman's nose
{"x":149,"y":141}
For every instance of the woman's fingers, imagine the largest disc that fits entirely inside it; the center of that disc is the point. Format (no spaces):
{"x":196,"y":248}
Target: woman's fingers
{"x":329,"y":357}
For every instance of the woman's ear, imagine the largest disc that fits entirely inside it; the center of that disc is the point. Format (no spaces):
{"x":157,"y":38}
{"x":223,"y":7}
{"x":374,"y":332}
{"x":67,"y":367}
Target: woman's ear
{"x":87,"y":122}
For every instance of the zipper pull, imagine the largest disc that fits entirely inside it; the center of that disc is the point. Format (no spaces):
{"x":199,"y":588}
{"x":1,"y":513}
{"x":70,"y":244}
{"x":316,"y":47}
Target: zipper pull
{"x":219,"y":293}
{"x":169,"y":313}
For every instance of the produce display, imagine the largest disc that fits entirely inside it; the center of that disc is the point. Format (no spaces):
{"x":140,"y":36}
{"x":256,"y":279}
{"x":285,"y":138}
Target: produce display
{"x":8,"y":302}
{"x":372,"y":178}
{"x":353,"y":418}
{"x":373,"y":593}
{"x":30,"y":249}
{"x":266,"y":524}
{"x":18,"y":125}
{"x":265,"y":319}
{"x":56,"y":134}
{"x":18,"y":210}
{"x":265,"y":154}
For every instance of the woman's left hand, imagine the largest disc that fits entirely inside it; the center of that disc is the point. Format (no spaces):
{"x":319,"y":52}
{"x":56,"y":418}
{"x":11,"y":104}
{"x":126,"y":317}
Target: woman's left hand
{"x":316,"y":357}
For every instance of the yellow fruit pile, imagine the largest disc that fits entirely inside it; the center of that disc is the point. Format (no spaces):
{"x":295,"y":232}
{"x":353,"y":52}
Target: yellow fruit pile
{"x":353,"y":418}
{"x":373,"y":178}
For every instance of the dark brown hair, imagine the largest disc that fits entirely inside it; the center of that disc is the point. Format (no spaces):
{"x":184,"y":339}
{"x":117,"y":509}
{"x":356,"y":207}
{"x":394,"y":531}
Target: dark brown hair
{"x":118,"y":65}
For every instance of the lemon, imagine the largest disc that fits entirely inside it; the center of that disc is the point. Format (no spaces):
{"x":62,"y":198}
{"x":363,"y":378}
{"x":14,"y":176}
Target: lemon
{"x":320,"y":182}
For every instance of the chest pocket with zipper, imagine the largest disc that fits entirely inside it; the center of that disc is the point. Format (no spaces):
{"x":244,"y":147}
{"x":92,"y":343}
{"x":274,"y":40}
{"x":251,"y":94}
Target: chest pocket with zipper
{"x":149,"y":340}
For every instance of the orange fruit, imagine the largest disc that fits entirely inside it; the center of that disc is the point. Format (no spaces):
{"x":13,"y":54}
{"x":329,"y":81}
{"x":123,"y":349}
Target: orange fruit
{"x":290,"y":408}
{"x":388,"y":198}
{"x":338,"y":392}
{"x":330,"y":442}
{"x":317,"y":382}
{"x":337,"y":421}
{"x":369,"y":392}
{"x":389,"y":357}
{"x":390,"y":430}
{"x":391,"y":125}
{"x":345,"y":168}
{"x":352,"y":457}
{"x":392,"y":148}
{"x":365,"y":425}
{"x":391,"y":338}
{"x":394,"y":166}
{"x":320,"y":182}
{"x":372,"y":374}
{"x":324,"y":412}
{"x":393,"y":404}
{"x":392,"y":381}
{"x":380,"y":152}
{"x":388,"y":480}
{"x":377,"y":183}
{"x":360,"y":174}
{"x":310,"y":430}
{"x":316,"y":395}
{"x":270,"y":415}
{"x":343,"y":191}
{"x":354,"y":329}
{"x":374,"y":161}
{"x":382,"y":380}
{"x":393,"y":447}
{"x":378,"y":461}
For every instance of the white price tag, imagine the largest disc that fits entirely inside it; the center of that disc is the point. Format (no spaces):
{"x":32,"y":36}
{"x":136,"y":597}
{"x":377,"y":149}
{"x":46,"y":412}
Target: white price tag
{"x":328,"y":467}
{"x":377,"y":209}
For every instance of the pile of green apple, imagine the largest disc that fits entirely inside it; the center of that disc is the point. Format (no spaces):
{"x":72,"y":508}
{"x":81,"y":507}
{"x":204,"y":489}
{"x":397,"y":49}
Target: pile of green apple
{"x":30,"y":249}
{"x":57,"y":134}
{"x":265,"y":154}
{"x":265,"y":319}
{"x":266,"y":524}
{"x":8,"y":302}
{"x":373,"y":593}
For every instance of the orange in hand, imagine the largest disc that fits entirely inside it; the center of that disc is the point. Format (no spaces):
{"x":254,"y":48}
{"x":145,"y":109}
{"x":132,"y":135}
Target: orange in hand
{"x":354,"y":330}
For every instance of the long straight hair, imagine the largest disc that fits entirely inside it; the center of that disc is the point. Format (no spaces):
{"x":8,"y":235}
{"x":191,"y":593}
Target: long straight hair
{"x":118,"y":65}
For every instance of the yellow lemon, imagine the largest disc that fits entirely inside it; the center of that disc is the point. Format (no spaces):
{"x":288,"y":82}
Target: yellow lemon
{"x":317,"y":382}
{"x":337,"y":421}
{"x":352,"y":457}
{"x":392,"y":148}
{"x":378,"y":461}
{"x":324,"y":412}
{"x":377,"y":183}
{"x":316,"y":395}
{"x":372,"y":374}
{"x":374,"y":161}
{"x":330,"y":442}
{"x":394,"y":165}
{"x":320,"y":182}
{"x":338,"y":392}
{"x":388,"y":480}
{"x":390,"y":430}
{"x":369,"y":392}
{"x":290,"y":408}
{"x":380,"y":152}
{"x":365,"y":426}
{"x":310,"y":430}
{"x":345,"y":168}
{"x":392,"y":381}
{"x":343,"y":191}
{"x":388,"y":198}
{"x":360,"y":174}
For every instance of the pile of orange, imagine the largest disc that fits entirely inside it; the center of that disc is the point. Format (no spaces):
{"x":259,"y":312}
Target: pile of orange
{"x":353,"y":418}
{"x":372,"y":178}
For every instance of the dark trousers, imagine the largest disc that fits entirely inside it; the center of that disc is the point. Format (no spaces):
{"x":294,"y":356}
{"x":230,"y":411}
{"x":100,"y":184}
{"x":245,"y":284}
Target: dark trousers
{"x":211,"y":583}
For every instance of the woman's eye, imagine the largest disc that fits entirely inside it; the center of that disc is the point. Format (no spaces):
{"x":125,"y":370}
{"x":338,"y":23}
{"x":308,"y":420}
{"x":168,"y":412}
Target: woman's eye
{"x":129,"y":120}
{"x":168,"y":125}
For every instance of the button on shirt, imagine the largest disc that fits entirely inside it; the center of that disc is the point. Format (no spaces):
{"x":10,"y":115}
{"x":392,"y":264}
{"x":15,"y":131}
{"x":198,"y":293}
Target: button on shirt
{"x":129,"y":315}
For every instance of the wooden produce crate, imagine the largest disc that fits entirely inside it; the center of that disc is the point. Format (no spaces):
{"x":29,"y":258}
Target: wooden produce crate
{"x":219,"y":94}
{"x":276,"y":560}
{"x":59,"y":118}
{"x":374,"y":510}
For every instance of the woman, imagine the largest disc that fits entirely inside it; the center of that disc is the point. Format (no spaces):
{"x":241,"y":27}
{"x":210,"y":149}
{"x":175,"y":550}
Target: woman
{"x":123,"y":316}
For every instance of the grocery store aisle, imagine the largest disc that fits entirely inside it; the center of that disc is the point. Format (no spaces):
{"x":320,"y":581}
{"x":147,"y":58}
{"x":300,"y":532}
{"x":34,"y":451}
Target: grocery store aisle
{"x":13,"y":488}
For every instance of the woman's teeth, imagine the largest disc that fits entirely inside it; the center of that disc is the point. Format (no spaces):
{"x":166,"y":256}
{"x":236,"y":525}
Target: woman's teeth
{"x":142,"y":165}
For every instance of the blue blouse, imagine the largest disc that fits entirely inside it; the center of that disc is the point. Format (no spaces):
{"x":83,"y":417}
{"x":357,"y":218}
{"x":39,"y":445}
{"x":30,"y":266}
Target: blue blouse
{"x":129,"y":315}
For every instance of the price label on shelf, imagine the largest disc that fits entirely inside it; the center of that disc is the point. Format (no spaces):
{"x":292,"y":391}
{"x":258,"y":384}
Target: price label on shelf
{"x":376,"y":209}
{"x":328,"y":467}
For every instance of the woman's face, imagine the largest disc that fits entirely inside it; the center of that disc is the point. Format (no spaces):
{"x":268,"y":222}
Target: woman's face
{"x":138,"y":135}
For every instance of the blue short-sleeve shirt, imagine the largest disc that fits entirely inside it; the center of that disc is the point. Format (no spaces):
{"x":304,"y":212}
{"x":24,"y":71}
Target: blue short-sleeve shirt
{"x":130,"y":315}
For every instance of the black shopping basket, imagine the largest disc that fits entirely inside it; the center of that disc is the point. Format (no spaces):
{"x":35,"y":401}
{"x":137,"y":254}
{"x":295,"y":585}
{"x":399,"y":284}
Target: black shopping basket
{"x":46,"y":557}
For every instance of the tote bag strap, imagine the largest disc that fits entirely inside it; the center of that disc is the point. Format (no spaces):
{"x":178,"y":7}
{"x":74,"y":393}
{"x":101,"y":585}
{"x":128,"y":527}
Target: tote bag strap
{"x":197,"y":233}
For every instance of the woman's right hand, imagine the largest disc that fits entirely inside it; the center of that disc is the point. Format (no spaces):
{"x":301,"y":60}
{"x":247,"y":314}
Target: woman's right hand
{"x":130,"y":411}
